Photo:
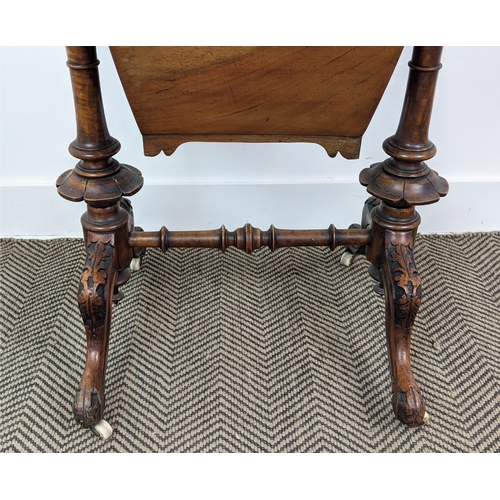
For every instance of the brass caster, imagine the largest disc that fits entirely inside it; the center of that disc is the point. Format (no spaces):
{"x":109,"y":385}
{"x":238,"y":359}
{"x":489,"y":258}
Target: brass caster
{"x":103,"y":430}
{"x":346,"y":259}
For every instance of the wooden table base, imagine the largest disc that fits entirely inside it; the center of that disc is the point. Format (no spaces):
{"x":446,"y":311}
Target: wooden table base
{"x":386,"y":234}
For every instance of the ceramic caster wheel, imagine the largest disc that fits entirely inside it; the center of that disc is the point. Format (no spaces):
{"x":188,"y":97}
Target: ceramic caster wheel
{"x":135,"y":264}
{"x":103,"y":430}
{"x":346,"y":259}
{"x":427,"y":418}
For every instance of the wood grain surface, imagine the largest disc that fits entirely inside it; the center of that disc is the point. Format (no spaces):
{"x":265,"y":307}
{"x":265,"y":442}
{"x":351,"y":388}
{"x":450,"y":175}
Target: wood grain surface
{"x":325,"y":95}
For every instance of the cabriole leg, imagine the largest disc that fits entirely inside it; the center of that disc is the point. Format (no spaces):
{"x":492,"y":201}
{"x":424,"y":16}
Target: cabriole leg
{"x":95,"y":300}
{"x":106,"y":269}
{"x":393,"y":265}
{"x":402,"y":286}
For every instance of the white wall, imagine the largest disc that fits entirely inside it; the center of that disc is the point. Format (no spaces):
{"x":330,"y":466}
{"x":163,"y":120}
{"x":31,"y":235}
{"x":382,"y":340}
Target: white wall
{"x":206,"y":185}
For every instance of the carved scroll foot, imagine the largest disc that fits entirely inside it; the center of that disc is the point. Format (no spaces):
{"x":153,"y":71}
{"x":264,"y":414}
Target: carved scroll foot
{"x":95,"y":299}
{"x":402,"y":285}
{"x":88,"y":407}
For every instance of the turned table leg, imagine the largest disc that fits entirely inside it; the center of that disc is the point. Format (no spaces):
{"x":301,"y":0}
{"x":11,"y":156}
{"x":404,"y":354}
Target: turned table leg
{"x":102,"y":182}
{"x":399,"y":184}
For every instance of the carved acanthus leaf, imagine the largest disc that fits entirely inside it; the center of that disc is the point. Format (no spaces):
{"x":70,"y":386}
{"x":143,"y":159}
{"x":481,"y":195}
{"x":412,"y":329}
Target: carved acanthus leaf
{"x":92,"y":289}
{"x":408,"y":284}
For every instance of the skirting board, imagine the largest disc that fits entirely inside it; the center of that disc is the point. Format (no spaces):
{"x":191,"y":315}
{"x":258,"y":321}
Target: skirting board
{"x":38,"y":211}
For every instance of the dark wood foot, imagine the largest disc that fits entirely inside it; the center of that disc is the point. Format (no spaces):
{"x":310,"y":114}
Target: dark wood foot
{"x":402,"y":285}
{"x":95,"y":299}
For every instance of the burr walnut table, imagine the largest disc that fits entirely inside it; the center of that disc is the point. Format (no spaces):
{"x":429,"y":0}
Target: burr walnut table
{"x":325,"y":95}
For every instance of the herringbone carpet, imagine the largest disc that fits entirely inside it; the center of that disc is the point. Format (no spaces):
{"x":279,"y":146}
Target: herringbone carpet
{"x":272,"y":352}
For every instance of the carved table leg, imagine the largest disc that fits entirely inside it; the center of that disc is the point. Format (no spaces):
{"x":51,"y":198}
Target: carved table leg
{"x":105,"y":270}
{"x":102,"y":182}
{"x":393,"y":264}
{"x":399,"y":184}
{"x":402,"y":286}
{"x":95,"y":300}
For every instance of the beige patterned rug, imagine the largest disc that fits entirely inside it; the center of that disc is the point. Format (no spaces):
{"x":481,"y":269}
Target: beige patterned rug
{"x":272,"y":352}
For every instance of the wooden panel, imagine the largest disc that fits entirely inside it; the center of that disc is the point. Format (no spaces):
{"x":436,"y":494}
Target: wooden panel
{"x":259,"y":94}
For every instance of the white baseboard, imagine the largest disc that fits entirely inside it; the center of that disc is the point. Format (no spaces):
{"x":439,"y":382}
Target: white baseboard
{"x":39,"y":212}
